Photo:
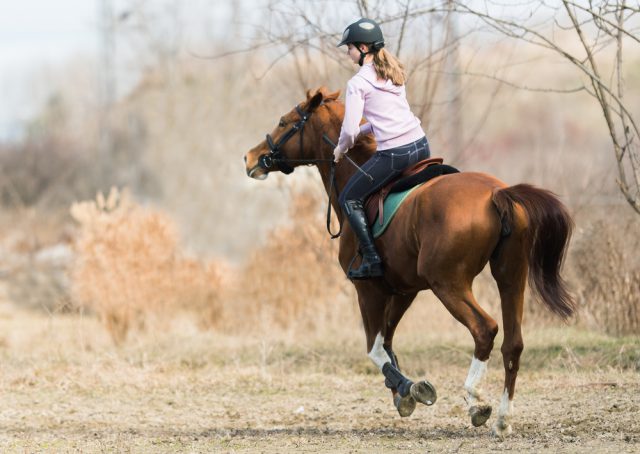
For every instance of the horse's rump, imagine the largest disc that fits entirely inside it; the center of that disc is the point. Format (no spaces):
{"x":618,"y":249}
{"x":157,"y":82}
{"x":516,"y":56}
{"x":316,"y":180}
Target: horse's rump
{"x":448,"y":220}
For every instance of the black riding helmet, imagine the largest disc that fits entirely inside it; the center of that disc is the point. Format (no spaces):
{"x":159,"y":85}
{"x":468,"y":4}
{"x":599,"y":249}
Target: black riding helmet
{"x":363,"y":31}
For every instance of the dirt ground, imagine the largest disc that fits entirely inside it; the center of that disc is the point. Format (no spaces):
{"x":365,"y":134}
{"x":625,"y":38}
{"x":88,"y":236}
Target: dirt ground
{"x":66,"y":388}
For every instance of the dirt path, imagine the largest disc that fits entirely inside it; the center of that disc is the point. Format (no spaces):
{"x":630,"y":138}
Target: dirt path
{"x":212,"y":410}
{"x":178,"y":394}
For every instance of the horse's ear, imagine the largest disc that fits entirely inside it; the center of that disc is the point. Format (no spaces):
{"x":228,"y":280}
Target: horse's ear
{"x":331,"y":96}
{"x":321,"y":89}
{"x":318,"y":96}
{"x":315,"y":100}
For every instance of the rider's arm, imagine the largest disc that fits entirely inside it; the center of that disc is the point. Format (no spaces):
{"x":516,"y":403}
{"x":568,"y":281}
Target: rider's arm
{"x":353,"y":108}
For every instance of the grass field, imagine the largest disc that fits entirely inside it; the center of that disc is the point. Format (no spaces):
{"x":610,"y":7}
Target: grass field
{"x":67,"y":388}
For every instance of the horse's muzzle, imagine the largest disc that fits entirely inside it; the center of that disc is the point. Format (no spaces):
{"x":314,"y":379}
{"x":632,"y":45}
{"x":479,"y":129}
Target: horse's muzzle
{"x":257,"y":173}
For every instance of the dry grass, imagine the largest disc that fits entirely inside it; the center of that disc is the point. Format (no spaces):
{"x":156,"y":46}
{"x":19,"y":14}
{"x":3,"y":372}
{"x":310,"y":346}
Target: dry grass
{"x":605,"y":265}
{"x":67,"y":388}
{"x":129,"y":268}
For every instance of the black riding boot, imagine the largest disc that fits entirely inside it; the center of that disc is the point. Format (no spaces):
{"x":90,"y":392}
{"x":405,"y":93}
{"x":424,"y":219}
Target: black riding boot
{"x":371,"y":265}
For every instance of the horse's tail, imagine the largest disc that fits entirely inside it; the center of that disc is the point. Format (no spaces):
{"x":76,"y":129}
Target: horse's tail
{"x":549,"y":231}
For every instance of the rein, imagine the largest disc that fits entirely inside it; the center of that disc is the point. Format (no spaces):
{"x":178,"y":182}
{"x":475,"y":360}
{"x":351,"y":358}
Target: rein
{"x":276,"y":157}
{"x":332,"y":186}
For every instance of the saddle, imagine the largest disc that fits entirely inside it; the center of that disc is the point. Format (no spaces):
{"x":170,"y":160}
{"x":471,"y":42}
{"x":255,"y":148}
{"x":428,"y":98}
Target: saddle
{"x":419,"y":173}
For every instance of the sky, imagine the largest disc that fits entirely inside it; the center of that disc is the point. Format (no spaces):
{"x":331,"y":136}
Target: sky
{"x":34,"y":34}
{"x":37,"y":30}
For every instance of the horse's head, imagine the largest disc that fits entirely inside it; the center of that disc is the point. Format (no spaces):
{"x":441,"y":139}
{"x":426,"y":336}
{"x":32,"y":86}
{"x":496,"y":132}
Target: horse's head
{"x":293,"y":140}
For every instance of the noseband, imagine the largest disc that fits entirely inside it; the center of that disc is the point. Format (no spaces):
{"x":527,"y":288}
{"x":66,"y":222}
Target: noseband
{"x":275,"y":156}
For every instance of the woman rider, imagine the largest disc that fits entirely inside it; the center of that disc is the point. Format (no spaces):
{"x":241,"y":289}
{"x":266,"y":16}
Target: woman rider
{"x":376,"y":92}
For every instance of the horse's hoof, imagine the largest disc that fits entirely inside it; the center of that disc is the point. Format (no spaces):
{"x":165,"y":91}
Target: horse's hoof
{"x":405,"y":405}
{"x":424,"y":392}
{"x":501,"y":430}
{"x":479,"y":414}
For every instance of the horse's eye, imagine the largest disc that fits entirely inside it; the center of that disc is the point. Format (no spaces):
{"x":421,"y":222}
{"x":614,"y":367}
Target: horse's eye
{"x":282,"y":123}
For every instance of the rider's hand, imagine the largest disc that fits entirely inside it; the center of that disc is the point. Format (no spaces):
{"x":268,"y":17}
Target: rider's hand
{"x":337,"y":154}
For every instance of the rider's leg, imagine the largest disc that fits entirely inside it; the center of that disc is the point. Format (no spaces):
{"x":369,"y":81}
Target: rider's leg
{"x":383,"y":167}
{"x":371,"y":265}
{"x":351,"y":199}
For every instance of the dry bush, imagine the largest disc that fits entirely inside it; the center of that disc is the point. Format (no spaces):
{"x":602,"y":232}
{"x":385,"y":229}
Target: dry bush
{"x":606,"y":268}
{"x":294,"y":281}
{"x":129,"y":268}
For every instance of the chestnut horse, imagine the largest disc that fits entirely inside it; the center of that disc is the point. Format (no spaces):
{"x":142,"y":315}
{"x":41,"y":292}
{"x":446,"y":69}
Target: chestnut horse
{"x":441,"y":238}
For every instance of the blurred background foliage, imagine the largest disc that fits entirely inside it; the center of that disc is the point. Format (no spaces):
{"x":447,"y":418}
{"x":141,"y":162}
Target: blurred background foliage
{"x":179,"y":91}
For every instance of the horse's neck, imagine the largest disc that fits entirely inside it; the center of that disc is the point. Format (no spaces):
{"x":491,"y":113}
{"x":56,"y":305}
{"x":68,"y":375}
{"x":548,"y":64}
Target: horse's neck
{"x":360,"y":153}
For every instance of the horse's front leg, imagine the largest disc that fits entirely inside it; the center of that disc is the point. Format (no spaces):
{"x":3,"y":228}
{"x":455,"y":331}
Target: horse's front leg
{"x":383,"y":357}
{"x":407,"y":404}
{"x":422,"y":391}
{"x":381,"y":314}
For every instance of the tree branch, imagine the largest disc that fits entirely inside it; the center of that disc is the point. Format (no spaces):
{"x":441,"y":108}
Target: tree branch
{"x":402,"y":27}
{"x":603,"y":19}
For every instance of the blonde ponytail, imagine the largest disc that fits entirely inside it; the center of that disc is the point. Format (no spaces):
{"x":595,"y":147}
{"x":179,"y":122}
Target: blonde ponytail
{"x":387,"y":66}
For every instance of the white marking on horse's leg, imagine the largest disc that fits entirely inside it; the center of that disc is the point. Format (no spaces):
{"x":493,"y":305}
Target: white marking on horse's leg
{"x":506,"y":406}
{"x":378,"y":354}
{"x":477,"y":371}
{"x":502,"y":427}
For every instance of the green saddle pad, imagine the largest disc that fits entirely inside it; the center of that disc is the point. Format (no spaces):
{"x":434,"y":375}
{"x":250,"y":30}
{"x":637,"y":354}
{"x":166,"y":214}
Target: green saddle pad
{"x":391,"y":205}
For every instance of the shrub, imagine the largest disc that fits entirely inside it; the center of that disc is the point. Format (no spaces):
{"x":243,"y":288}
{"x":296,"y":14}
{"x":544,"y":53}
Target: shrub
{"x":606,"y":265}
{"x":129,"y":269}
{"x":293,"y":281}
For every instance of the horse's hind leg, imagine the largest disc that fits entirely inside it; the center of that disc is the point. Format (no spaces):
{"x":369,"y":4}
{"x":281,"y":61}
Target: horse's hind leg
{"x":422,"y":391}
{"x":461,"y":303}
{"x":510,"y":271}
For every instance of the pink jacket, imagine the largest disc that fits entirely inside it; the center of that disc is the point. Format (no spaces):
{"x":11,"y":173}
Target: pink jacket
{"x":385,"y":108}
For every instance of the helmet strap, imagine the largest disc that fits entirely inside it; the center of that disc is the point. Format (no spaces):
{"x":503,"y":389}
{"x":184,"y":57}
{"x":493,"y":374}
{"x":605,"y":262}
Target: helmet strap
{"x":362,"y":55}
{"x":372,"y":50}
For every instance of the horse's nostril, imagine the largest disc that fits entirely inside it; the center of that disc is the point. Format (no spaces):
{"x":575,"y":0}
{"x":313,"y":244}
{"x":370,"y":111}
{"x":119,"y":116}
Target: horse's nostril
{"x":245,"y":158}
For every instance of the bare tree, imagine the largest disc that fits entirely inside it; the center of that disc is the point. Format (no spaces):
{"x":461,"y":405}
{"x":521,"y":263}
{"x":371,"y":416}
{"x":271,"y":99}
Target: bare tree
{"x":302,"y":34}
{"x":602,"y":27}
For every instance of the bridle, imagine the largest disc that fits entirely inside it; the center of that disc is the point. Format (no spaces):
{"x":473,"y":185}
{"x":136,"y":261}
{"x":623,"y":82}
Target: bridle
{"x":276,"y":158}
